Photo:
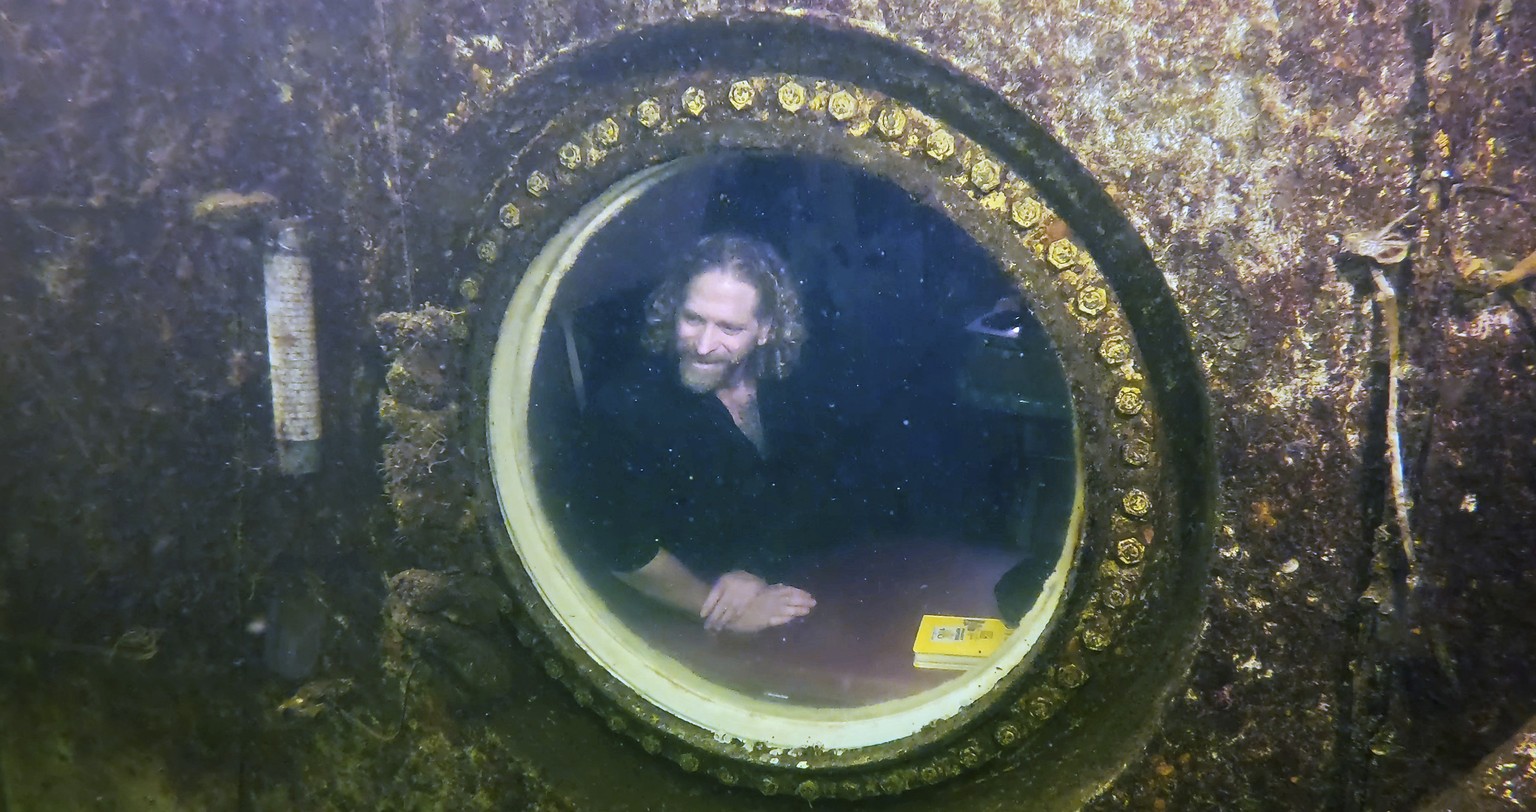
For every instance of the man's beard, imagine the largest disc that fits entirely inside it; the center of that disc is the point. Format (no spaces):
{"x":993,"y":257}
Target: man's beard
{"x":704,"y":378}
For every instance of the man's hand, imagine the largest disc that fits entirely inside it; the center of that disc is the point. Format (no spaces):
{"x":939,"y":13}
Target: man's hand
{"x":773,"y":606}
{"x":729,"y":597}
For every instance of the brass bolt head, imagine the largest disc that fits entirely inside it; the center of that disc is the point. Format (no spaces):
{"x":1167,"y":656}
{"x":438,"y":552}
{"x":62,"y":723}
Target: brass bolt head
{"x":694,"y":101}
{"x":570,"y":155}
{"x":1129,"y":400}
{"x":648,"y":113}
{"x":741,"y":94}
{"x":1130,"y":551}
{"x":1027,"y":212}
{"x":1136,"y":503}
{"x":1062,"y":254}
{"x":791,"y":96}
{"x":510,"y":216}
{"x":1092,"y":300}
{"x":891,"y":122}
{"x":1070,"y":676}
{"x":537,"y":184}
{"x":843,"y":105}
{"x":972,"y":754}
{"x":1095,"y":637}
{"x":1117,"y":596}
{"x":469,"y":288}
{"x":1115,"y":350}
{"x":986,"y":174}
{"x":940,"y":145}
{"x":1137,"y":452}
{"x":607,"y":132}
{"x":488,"y":250}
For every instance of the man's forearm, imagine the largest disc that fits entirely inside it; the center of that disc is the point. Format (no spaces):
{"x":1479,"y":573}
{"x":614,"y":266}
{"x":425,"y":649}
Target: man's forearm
{"x":665,"y":579}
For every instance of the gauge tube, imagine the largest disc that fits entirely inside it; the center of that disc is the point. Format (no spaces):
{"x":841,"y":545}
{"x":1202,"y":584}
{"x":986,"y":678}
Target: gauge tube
{"x":291,"y":350}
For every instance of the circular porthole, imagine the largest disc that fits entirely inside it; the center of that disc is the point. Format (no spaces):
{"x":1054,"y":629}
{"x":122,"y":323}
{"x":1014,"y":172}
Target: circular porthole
{"x":924,"y":448}
{"x":970,"y":450}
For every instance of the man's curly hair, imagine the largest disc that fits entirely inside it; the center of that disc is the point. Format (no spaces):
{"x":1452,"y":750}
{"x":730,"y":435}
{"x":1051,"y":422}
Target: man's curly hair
{"x":752,"y":261}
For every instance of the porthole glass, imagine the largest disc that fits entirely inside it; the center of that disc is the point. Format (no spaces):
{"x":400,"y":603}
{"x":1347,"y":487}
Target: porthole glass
{"x":914,"y":473}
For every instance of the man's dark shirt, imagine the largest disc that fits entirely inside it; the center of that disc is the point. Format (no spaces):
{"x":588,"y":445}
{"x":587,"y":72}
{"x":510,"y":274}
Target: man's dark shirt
{"x":668,"y":469}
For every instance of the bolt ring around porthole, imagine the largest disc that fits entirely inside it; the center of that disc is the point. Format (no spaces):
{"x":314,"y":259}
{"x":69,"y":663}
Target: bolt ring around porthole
{"x":591,"y":160}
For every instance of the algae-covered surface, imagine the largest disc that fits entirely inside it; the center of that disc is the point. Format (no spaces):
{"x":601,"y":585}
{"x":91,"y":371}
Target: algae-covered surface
{"x":1331,"y":192}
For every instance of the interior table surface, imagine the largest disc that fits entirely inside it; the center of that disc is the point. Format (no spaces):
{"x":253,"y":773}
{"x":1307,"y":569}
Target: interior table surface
{"x":855,"y":647}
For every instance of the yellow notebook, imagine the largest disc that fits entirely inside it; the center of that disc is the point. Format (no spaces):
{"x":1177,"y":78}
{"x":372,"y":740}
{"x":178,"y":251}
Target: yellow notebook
{"x":955,"y":643}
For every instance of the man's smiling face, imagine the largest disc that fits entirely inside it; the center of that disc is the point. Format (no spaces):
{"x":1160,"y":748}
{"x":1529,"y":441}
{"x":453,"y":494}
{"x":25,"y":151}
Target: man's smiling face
{"x":717,"y":330}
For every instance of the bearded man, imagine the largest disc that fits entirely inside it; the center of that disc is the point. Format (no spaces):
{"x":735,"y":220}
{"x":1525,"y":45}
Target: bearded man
{"x":701,"y":487}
